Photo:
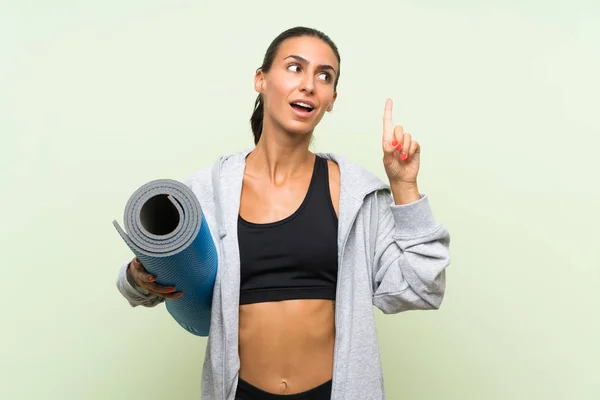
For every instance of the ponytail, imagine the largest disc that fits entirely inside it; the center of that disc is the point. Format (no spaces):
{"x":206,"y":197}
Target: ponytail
{"x":256,"y":121}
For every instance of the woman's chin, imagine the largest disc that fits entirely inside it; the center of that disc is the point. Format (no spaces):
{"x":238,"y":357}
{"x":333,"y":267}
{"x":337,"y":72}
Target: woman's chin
{"x":299,"y":128}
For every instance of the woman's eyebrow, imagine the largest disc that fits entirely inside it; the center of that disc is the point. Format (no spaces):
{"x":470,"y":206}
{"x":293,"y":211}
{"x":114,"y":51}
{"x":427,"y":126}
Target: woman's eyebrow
{"x":305,"y":61}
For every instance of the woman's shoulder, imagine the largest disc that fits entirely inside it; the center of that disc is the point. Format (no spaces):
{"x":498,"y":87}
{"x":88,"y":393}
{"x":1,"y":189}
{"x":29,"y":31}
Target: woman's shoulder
{"x":204,"y":175}
{"x":355,"y":178}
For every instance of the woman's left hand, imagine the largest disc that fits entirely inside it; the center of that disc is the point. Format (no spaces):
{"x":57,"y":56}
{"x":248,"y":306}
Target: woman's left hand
{"x":400,"y":153}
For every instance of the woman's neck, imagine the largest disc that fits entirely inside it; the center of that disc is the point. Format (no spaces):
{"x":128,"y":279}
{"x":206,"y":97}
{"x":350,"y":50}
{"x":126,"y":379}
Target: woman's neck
{"x":280,"y":157}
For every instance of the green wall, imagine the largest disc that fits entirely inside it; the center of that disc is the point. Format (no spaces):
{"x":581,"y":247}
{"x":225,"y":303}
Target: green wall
{"x":97,"y":98}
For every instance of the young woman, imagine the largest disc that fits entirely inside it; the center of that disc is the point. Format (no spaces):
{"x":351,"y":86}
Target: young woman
{"x":308,"y":243}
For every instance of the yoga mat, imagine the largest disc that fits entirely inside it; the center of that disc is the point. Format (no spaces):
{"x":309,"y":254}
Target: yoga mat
{"x":167,"y":232}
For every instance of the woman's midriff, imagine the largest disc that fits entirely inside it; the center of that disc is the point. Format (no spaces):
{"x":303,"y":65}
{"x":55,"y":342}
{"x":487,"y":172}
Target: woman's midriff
{"x":287,"y":346}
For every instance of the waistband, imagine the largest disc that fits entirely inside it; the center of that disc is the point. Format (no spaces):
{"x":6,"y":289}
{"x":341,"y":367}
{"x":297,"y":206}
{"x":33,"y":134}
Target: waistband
{"x":246,"y":391}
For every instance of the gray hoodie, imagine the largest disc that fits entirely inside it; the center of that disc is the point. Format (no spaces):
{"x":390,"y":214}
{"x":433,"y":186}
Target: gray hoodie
{"x":391,"y":256}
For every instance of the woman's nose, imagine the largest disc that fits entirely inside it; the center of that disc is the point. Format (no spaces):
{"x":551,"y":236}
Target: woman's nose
{"x":307,"y":84}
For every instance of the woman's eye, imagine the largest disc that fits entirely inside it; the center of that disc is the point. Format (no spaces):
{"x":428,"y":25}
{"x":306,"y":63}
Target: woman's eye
{"x":326,"y":76}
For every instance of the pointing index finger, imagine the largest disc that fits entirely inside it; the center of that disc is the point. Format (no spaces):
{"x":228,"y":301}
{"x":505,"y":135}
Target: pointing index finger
{"x":388,"y":125}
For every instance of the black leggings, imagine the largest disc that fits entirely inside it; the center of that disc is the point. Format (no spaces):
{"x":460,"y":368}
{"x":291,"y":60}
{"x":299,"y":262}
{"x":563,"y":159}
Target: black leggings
{"x":246,"y":391}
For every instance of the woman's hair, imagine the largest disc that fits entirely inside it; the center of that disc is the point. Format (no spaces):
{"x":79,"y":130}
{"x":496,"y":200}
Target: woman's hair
{"x":256,"y":120}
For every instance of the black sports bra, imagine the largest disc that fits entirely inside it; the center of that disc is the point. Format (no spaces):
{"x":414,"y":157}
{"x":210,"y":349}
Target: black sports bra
{"x":294,"y":258}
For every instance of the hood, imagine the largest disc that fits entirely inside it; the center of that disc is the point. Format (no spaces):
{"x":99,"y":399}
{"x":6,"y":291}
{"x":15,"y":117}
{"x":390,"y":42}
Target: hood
{"x":355,"y":184}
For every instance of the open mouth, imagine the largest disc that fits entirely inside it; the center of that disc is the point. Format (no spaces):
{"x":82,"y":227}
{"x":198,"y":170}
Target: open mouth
{"x":302,"y":107}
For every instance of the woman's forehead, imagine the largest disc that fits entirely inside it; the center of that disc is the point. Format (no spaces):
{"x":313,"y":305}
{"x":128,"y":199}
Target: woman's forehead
{"x":313,"y":49}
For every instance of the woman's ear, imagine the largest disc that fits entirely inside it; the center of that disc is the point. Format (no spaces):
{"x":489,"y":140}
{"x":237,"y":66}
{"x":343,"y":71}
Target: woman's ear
{"x":259,"y":81}
{"x":330,"y":107}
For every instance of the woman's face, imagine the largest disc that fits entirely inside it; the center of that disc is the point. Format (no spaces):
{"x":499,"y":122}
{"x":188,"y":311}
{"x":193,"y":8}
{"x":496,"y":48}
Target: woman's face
{"x":304,"y":70}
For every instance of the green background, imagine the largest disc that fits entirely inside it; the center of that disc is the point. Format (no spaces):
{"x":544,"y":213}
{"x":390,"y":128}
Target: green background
{"x":97,"y":98}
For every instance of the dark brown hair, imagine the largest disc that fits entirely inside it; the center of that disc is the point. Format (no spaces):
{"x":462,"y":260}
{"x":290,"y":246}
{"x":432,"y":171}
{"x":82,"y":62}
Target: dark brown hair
{"x":256,"y":120}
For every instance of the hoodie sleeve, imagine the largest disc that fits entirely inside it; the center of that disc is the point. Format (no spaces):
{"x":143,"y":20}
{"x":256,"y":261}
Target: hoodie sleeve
{"x":135,"y":295}
{"x":409,"y":257}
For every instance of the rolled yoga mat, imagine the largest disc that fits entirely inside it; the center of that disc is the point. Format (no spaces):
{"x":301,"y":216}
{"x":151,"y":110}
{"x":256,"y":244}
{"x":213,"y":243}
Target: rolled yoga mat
{"x":167,"y":232}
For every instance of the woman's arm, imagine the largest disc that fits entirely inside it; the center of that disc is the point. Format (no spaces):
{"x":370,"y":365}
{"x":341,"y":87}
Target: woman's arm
{"x":411,"y":253}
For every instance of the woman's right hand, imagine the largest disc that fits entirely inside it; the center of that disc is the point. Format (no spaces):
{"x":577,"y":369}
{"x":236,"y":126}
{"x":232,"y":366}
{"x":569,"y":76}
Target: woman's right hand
{"x":145,"y":280}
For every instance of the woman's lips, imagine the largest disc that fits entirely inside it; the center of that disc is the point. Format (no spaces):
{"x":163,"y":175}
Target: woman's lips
{"x":301,"y":112}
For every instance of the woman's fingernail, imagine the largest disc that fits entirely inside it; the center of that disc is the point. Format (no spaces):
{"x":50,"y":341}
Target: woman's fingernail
{"x":179,"y":295}
{"x":399,"y":147}
{"x":150,"y":278}
{"x":394,"y":143}
{"x":403,"y":156}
